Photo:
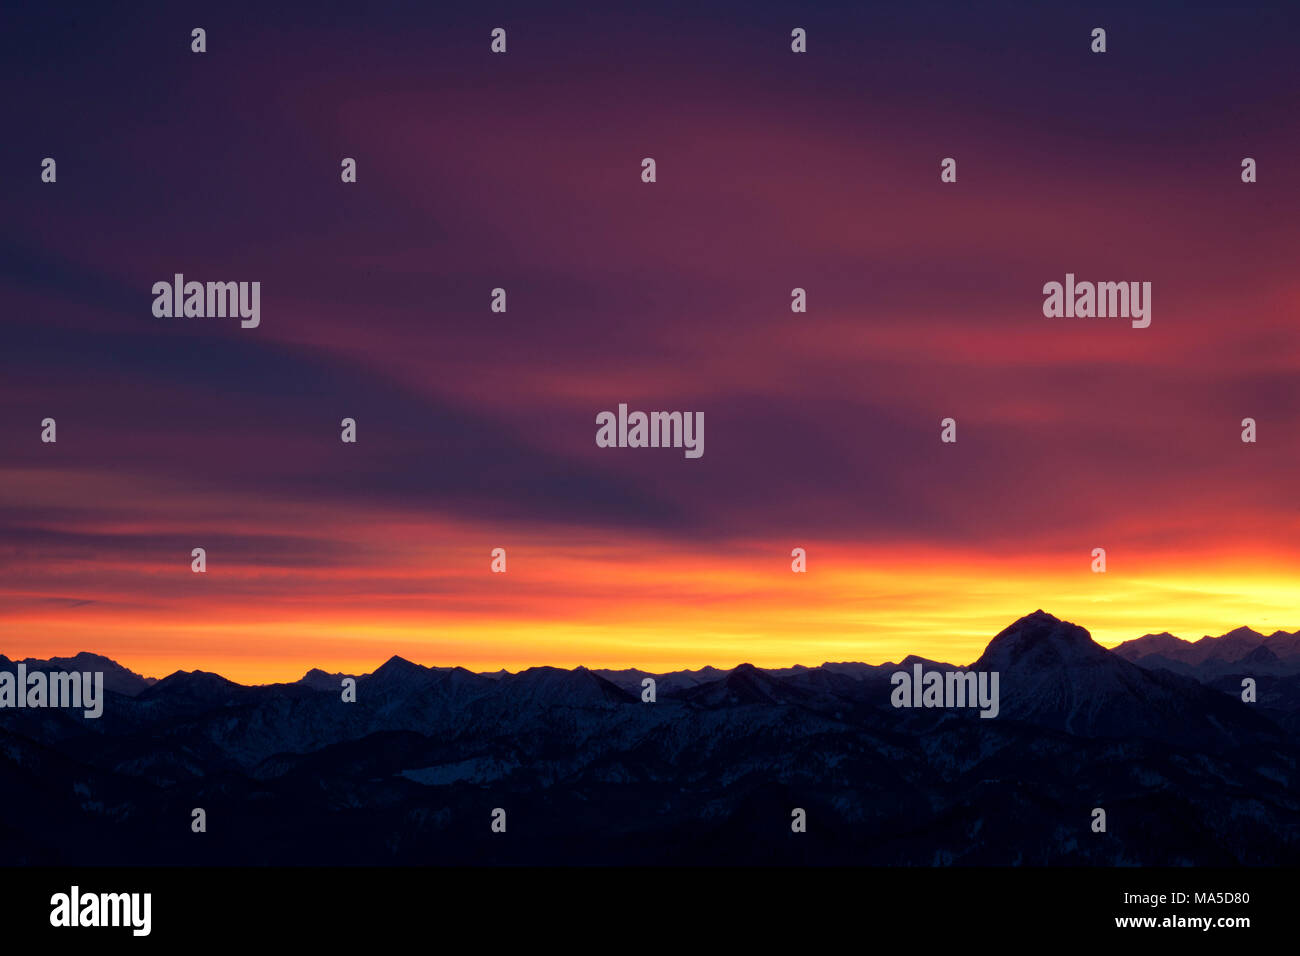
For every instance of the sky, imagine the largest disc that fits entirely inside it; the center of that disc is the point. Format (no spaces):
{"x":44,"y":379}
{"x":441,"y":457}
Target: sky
{"x":476,"y":430}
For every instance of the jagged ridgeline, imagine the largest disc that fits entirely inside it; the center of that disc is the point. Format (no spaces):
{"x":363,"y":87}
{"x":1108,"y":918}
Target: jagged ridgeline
{"x":587,"y":770}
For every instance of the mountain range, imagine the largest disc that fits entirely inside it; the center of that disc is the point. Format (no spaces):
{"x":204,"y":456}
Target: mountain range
{"x":1210,"y":657}
{"x":1155,"y":732}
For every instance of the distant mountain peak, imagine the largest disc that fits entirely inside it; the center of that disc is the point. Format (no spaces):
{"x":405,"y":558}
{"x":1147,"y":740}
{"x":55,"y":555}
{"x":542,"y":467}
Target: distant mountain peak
{"x":318,"y":679}
{"x":912,"y":659}
{"x":195,"y":677}
{"x":1260,"y":655}
{"x":397,"y":674}
{"x":117,"y":678}
{"x":743,"y":684}
{"x":194,"y":685}
{"x":398,"y":666}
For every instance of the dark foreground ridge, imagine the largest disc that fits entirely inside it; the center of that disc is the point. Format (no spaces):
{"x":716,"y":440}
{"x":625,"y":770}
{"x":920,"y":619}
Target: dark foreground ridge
{"x":710,"y":772}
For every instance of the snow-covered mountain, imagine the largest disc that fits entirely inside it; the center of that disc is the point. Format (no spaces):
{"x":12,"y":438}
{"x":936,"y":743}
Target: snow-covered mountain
{"x":1053,"y":674}
{"x":708,"y":772}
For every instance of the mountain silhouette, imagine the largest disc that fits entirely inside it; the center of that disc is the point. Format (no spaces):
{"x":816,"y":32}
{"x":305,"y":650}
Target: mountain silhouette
{"x":1053,"y":674}
{"x":117,"y":678}
{"x":1210,"y":653}
{"x":1189,"y":772}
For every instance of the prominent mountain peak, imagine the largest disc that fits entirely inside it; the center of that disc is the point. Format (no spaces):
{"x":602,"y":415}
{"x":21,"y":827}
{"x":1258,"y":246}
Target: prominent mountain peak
{"x":1039,"y":639}
{"x":1055,"y":675}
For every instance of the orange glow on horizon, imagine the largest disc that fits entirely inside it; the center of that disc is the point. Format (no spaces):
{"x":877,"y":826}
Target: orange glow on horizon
{"x":650,"y":606}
